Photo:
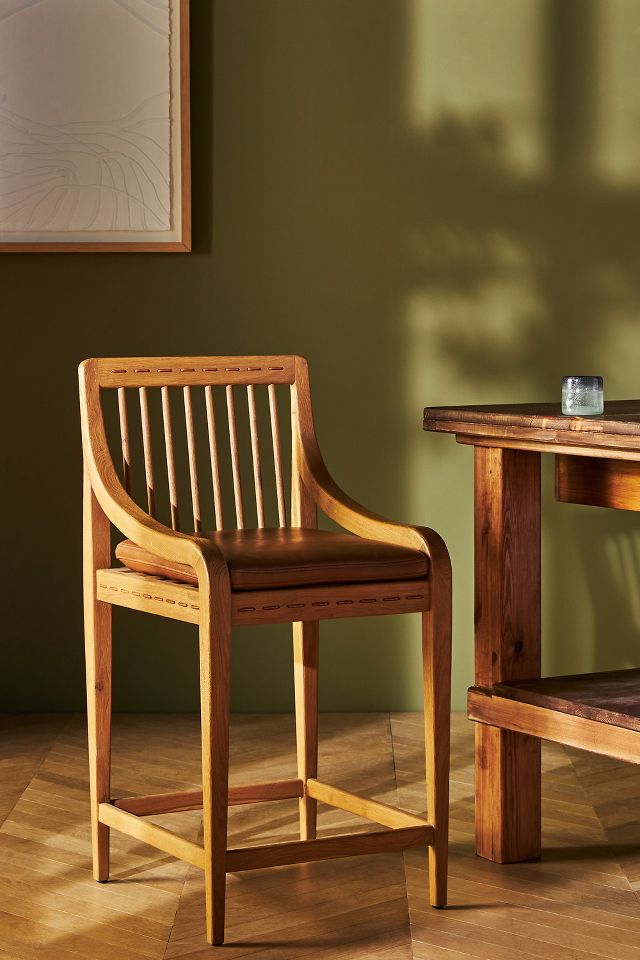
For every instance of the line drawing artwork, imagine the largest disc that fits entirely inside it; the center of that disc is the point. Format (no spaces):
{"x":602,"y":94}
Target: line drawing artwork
{"x":85,"y":148}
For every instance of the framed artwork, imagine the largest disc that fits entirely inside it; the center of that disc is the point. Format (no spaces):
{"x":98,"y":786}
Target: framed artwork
{"x":94,"y":126}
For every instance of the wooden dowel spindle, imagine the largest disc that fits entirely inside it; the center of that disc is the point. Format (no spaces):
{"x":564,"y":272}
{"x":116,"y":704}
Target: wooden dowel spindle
{"x":277,"y":454}
{"x":148,"y":455}
{"x":213,"y":453}
{"x":255,"y":454}
{"x":124,"y":439}
{"x":193,"y":466}
{"x":171,"y":463}
{"x":235,"y":460}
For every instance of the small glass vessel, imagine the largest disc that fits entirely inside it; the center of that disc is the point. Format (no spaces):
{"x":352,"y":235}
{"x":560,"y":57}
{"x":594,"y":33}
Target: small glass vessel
{"x":582,"y":396}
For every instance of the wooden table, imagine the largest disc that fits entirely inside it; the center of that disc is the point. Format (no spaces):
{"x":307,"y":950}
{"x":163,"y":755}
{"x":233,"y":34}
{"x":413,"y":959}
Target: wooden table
{"x":597,"y":462}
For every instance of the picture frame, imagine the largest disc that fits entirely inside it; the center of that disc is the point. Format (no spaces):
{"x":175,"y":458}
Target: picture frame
{"x":95,"y":126}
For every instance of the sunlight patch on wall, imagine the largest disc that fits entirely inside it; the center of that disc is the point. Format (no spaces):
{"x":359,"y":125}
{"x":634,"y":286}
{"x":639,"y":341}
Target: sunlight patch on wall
{"x":473,"y":60}
{"x":617,"y":136}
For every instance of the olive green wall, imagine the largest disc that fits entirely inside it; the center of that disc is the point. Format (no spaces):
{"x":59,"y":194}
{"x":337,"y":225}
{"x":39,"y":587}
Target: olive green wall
{"x":436,"y":202}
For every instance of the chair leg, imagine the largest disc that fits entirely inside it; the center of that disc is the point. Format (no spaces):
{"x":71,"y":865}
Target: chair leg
{"x":98,"y":654}
{"x":436,"y":656}
{"x":215,"y":644}
{"x":305,"y":666}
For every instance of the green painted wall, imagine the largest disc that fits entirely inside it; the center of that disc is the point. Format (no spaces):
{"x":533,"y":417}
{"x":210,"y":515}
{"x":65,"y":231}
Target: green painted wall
{"x":435,"y":202}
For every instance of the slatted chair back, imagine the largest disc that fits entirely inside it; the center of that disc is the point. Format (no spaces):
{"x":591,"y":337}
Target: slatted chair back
{"x":221,"y":392}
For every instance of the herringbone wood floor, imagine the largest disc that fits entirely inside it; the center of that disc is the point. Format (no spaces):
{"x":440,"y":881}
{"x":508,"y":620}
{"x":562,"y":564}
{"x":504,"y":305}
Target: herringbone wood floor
{"x":580,"y":902}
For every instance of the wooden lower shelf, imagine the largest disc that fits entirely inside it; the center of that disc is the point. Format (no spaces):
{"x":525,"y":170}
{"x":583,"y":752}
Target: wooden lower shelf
{"x":599,"y":712}
{"x":612,"y":697}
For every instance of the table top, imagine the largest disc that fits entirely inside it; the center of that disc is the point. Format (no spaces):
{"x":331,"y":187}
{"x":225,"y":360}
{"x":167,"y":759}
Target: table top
{"x":541,"y":425}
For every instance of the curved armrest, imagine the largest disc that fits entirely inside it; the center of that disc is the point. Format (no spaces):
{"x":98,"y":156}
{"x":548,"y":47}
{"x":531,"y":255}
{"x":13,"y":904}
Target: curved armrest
{"x":142,"y":529}
{"x":333,"y":501}
{"x":345,"y":511}
{"x":122,"y":511}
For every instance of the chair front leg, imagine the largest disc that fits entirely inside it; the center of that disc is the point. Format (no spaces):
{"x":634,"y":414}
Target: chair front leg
{"x":305,"y":668}
{"x":98,"y":659}
{"x":436,"y":658}
{"x":215,"y":682}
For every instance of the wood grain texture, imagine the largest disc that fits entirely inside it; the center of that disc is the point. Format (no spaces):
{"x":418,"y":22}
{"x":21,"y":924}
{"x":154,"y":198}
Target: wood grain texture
{"x":277,"y":454}
{"x":214,"y":458}
{"x":610,"y":697}
{"x":255,"y":454}
{"x":98,"y":666}
{"x":144,"y":806}
{"x":181,"y":601}
{"x":215,"y":693}
{"x":581,"y":900}
{"x":541,"y":426}
{"x":598,"y":482}
{"x":214,"y":608}
{"x":326,"y":848}
{"x":124,"y":439}
{"x":152,"y":834}
{"x":507,"y":646}
{"x":598,"y":446}
{"x":306,"y":651}
{"x":147,"y":450}
{"x":175,"y":371}
{"x":193,"y":459}
{"x":382,"y":813}
{"x":597,"y":463}
{"x":235,"y":457}
{"x":170,"y":457}
{"x":306,"y":635}
{"x":123,"y":588}
{"x":560,"y":726}
{"x":621,"y":417}
{"x":436,"y":683}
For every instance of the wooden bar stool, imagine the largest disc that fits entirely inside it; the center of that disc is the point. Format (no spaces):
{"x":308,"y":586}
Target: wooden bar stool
{"x":247,"y":574}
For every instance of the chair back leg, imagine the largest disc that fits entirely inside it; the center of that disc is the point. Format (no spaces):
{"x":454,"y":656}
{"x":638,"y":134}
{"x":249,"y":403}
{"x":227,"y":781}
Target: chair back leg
{"x":436,"y":659}
{"x":305,"y":669}
{"x":215,"y":676}
{"x":98,"y":656}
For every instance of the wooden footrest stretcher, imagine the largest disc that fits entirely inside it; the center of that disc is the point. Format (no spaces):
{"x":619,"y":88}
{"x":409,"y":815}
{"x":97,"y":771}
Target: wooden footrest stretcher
{"x":404,"y":829}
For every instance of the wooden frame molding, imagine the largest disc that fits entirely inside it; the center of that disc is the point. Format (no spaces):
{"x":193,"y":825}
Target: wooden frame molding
{"x":182,"y":244}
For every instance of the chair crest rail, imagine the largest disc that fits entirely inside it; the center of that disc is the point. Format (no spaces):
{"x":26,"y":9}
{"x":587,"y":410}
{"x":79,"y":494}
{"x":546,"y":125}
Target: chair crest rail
{"x":193,"y":371}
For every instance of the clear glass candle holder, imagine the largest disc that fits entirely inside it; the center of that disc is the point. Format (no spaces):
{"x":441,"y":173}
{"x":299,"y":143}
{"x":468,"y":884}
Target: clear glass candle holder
{"x":582,"y":396}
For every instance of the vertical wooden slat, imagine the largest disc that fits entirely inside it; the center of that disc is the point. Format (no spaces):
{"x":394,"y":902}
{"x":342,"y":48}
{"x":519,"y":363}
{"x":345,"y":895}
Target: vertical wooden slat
{"x":171,"y":463}
{"x":124,"y":439}
{"x":213,"y":453}
{"x":148,"y":456}
{"x":255,"y":454}
{"x":277,"y":454}
{"x":193,"y":467}
{"x":235,"y":461}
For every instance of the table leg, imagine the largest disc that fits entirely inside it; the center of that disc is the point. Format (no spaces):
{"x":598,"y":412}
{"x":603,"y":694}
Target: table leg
{"x":507,"y":616}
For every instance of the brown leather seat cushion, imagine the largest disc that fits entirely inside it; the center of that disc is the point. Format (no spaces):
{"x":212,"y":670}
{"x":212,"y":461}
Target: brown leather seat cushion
{"x":263,"y":559}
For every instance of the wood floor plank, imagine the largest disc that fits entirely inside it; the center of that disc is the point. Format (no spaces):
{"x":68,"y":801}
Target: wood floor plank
{"x":582,"y":900}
